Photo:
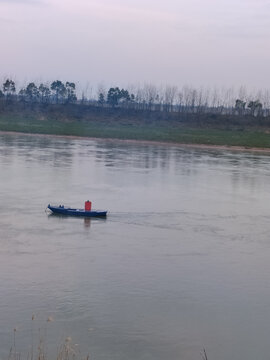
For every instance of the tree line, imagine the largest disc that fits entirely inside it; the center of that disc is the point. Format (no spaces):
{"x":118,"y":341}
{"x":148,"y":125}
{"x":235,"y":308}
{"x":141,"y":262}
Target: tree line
{"x":147,"y":97}
{"x":57,"y":92}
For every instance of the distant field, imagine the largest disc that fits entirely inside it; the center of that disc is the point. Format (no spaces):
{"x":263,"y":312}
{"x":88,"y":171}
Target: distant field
{"x":138,"y":127}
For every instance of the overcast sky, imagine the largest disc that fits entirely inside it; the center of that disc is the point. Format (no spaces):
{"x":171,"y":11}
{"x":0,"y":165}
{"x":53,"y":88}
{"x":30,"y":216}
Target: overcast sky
{"x":119,"y":42}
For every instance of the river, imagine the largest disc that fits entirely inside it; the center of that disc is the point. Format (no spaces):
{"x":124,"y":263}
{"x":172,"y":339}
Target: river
{"x":181,"y":263}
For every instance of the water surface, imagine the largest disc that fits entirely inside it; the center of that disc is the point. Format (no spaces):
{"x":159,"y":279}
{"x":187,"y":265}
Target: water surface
{"x":180,"y":264}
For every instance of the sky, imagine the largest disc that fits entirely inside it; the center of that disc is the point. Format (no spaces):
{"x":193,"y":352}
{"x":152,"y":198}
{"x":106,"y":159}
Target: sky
{"x":122,"y":42}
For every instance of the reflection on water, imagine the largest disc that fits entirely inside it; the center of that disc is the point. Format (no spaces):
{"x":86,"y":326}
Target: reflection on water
{"x":86,"y":221}
{"x":180,"y":264}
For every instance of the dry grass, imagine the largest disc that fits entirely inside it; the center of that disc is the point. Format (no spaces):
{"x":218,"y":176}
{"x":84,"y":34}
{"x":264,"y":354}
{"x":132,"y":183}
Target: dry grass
{"x":204,"y":355}
{"x":66,"y":351}
{"x":39,"y":351}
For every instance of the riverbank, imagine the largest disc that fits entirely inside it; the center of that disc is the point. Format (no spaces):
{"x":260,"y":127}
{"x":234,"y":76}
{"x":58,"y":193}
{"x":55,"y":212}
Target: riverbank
{"x":146,"y":142}
{"x":221,"y":133}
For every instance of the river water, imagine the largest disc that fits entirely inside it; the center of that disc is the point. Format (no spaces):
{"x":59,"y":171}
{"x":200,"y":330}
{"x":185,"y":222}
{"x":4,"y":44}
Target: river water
{"x":181,"y":263}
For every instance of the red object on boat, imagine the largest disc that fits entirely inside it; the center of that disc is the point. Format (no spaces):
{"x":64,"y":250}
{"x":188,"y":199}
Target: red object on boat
{"x":87,"y":205}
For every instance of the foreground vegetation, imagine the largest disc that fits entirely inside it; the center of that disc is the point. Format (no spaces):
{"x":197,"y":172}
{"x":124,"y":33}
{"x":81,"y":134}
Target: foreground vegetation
{"x":38,"y":346}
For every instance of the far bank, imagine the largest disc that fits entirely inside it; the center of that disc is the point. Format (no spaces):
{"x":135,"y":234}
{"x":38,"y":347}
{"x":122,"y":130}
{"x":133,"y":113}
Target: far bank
{"x":123,"y":124}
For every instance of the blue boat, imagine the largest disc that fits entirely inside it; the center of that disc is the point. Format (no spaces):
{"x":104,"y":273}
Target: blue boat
{"x":61,"y":209}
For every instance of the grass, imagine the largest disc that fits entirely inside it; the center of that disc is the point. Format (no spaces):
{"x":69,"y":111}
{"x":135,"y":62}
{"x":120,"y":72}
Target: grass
{"x":134,"y":129}
{"x":39,"y":351}
{"x":65,"y":351}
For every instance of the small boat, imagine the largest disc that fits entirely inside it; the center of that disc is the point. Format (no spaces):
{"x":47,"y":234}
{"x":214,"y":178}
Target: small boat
{"x":61,"y":209}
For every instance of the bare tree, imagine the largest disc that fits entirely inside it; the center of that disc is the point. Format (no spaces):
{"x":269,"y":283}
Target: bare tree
{"x":170,"y":94}
{"x":179,"y":100}
{"x":101,"y":95}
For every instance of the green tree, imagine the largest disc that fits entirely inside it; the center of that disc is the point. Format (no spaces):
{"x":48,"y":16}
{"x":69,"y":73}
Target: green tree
{"x":32,"y":92}
{"x":45,"y":93}
{"x":124,"y":96}
{"x":115,"y":96}
{"x":59,"y":90}
{"x":255,"y":107}
{"x":9,"y":88}
{"x":22,"y":95}
{"x":70,"y":92}
{"x":101,"y":99}
{"x":240,"y":106}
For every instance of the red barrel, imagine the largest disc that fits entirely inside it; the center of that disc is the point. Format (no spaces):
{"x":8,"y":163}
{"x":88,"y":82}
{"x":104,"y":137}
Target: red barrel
{"x":87,"y":205}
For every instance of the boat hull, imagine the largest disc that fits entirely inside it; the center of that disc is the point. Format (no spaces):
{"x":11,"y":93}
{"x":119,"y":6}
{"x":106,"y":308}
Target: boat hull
{"x":76,"y":212}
